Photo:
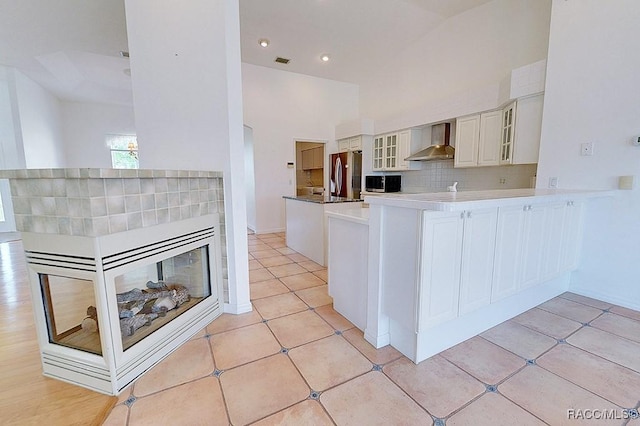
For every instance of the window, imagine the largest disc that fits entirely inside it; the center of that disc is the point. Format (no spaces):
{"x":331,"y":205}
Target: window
{"x":124,"y":151}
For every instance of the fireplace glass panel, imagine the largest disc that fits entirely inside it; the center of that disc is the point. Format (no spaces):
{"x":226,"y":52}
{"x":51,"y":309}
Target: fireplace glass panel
{"x":70,"y":309}
{"x":151,"y":296}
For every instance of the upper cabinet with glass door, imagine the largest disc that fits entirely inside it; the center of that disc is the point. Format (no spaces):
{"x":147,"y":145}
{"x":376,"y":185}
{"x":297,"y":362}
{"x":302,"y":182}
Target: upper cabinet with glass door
{"x":508,"y":127}
{"x":521,"y":130}
{"x":390,"y":150}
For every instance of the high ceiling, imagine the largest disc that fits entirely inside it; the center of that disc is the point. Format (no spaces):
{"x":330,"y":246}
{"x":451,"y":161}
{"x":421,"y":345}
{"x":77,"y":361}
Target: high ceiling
{"x":72,"y":47}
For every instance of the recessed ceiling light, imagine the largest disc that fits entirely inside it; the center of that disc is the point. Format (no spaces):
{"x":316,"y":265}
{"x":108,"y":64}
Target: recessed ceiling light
{"x":263,"y":42}
{"x":324,"y":57}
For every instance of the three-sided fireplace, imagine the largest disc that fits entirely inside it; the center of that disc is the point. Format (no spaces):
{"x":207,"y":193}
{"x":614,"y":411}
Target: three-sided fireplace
{"x":124,"y":266}
{"x":110,"y":307}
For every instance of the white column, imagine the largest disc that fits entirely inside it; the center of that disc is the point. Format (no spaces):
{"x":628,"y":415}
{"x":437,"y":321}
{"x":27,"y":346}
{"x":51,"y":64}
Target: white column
{"x":187,"y":92}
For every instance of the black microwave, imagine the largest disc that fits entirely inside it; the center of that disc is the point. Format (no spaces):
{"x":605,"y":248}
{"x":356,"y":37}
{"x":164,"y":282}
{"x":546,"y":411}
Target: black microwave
{"x":389,"y":183}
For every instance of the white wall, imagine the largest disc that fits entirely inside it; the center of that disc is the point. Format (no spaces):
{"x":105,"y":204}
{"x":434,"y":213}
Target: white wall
{"x":11,"y":150}
{"x":282,"y":107}
{"x":40,"y":129}
{"x":84,"y":126}
{"x":473,"y":50}
{"x":591,"y":95}
{"x":187,"y":92}
{"x":250,"y":180}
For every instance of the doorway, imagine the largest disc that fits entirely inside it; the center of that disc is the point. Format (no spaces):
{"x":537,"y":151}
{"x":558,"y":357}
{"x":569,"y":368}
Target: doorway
{"x":310,"y":159}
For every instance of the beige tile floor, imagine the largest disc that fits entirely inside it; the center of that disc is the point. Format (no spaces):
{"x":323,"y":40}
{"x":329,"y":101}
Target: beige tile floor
{"x":293,"y":360}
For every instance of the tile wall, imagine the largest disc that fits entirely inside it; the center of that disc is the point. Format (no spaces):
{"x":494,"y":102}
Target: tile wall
{"x":436,"y":176}
{"x":96,"y":202}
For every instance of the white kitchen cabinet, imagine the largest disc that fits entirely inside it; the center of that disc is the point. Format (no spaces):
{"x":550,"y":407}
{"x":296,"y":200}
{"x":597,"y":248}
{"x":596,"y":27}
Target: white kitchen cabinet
{"x":477,"y":259}
{"x":571,"y":240}
{"x":509,"y":238}
{"x":441,"y":260}
{"x":390,"y":150}
{"x":533,"y":239}
{"x":457,"y":264}
{"x":489,"y":145}
{"x":467,"y":141}
{"x":378,"y":153}
{"x":508,"y":129}
{"x":523,"y":240}
{"x":441,"y":272}
{"x":355,"y":144}
{"x":552,"y":263}
{"x":526,"y":141}
{"x":521,"y":129}
{"x":478,"y":140}
{"x":350,"y":144}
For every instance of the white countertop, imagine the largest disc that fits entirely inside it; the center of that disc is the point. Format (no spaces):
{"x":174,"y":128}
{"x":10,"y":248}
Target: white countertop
{"x":360,"y":215}
{"x":463,"y":200}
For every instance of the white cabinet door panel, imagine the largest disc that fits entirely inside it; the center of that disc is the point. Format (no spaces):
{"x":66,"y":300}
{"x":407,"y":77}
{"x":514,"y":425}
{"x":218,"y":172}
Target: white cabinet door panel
{"x":526,"y":144}
{"x":441,"y":260}
{"x":478,"y":247}
{"x":572,"y":238}
{"x":533,"y":233}
{"x":552,"y":263}
{"x":506,"y":268}
{"x":467,"y":139}
{"x":490,"y":134}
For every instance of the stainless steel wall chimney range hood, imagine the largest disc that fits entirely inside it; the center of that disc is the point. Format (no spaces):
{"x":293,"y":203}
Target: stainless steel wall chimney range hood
{"x":439,"y":149}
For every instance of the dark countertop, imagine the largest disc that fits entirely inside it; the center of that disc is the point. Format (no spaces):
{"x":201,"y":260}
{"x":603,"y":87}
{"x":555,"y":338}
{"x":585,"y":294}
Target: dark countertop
{"x":321,"y":199}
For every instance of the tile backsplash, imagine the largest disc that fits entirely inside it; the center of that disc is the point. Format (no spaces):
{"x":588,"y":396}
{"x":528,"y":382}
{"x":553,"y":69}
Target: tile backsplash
{"x":436,"y":176}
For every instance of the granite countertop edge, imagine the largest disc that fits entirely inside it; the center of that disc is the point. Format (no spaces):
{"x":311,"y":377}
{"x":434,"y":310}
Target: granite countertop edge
{"x":319,"y":199}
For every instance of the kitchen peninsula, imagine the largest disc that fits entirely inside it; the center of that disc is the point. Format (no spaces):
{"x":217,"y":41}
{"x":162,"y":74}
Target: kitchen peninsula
{"x":443,"y":267}
{"x":307,"y":224}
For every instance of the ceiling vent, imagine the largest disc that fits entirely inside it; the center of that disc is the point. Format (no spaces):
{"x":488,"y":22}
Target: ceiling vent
{"x":282,"y":60}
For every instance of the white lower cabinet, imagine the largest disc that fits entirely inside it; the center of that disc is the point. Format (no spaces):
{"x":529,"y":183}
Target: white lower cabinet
{"x":507,"y":252}
{"x":458,"y":249}
{"x":441,"y":258}
{"x":535,"y":242}
{"x":553,"y":262}
{"x":533,"y":239}
{"x":571,"y":239}
{"x":477,"y":259}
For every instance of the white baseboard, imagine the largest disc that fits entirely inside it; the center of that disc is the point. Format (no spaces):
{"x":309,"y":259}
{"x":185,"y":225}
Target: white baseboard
{"x":237,"y":309}
{"x":269,"y":231}
{"x":605,"y":297}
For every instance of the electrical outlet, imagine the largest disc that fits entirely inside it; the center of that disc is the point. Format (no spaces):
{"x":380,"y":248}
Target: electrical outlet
{"x":586,"y":149}
{"x":553,"y":182}
{"x":503,"y":181}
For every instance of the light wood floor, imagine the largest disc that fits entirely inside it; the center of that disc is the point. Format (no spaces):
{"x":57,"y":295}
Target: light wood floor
{"x":26,"y":396}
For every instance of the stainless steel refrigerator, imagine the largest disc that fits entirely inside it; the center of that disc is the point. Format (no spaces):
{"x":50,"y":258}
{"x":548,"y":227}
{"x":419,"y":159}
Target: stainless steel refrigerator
{"x":346,"y":174}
